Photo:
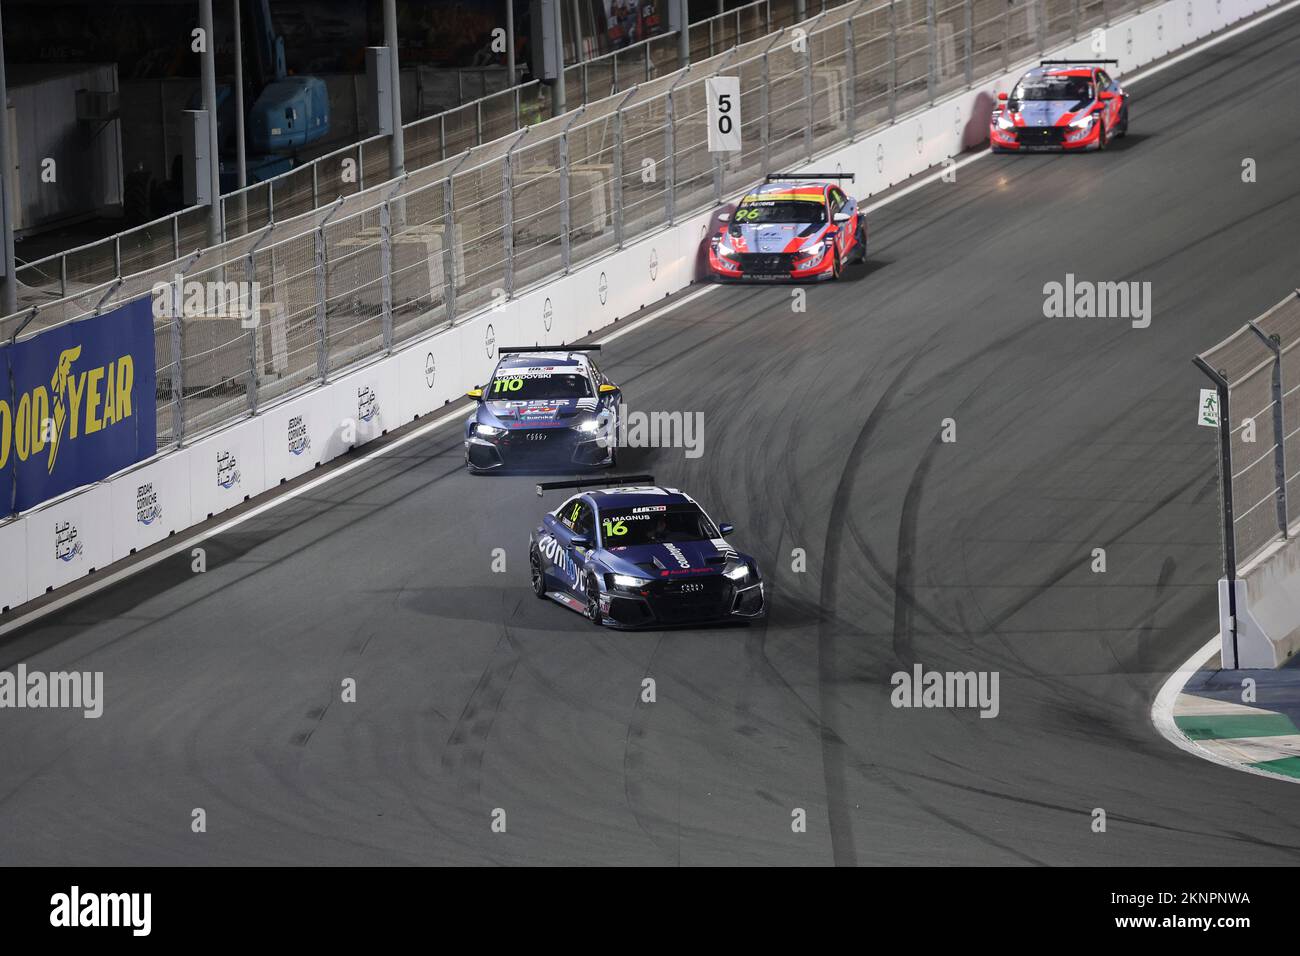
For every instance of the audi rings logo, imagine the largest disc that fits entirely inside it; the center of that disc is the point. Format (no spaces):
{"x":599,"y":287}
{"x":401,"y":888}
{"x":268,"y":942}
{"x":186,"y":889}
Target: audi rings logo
{"x":1128,"y":41}
{"x":548,"y":314}
{"x":654,"y":264}
{"x":1160,"y":26}
{"x":490,"y":341}
{"x":956,"y":120}
{"x":602,"y":288}
{"x":880,"y":157}
{"x":1189,"y":13}
{"x":920,"y":139}
{"x":430,"y":370}
{"x":536,"y":436}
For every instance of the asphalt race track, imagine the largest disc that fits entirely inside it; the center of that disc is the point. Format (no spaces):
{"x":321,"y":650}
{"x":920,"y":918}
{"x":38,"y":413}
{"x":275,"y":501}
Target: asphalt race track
{"x":821,"y":432}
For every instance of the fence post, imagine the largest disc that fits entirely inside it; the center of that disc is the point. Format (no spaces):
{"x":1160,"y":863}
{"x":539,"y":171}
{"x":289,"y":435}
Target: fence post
{"x":566,"y":211}
{"x":669,"y":159}
{"x":117,"y":255}
{"x":1274,"y":344}
{"x":322,"y":312}
{"x":850,"y":72}
{"x":386,"y":276}
{"x":764,"y":124}
{"x":254,"y":330}
{"x":893,"y":61}
{"x":808,"y":96}
{"x":1225,"y":487}
{"x":178,"y":350}
{"x":508,"y":225}
{"x":931,"y":37}
{"x":969,"y":6}
{"x":1074,"y":19}
{"x":617,"y":185}
{"x":449,"y":240}
{"x":1006,"y":38}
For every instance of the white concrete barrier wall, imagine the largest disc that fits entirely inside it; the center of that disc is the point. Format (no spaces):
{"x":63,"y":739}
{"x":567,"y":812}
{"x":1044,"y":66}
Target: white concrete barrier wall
{"x":1268,"y":609}
{"x":184,"y":487}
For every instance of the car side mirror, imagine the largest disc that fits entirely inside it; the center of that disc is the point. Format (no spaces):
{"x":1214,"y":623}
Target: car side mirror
{"x":475,"y":393}
{"x":580,"y":541}
{"x":724,"y":217}
{"x":841,"y":217}
{"x":726,"y":529}
{"x":1106,"y":95}
{"x":607,"y":389}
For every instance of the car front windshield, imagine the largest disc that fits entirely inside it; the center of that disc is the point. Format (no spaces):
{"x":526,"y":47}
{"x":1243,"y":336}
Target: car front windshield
{"x":522,"y":385}
{"x":655,"y":524}
{"x":779,"y":210}
{"x":1076,"y":89}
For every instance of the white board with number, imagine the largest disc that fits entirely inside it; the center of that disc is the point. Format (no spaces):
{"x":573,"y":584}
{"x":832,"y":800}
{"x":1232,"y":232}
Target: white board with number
{"x":724,"y":113}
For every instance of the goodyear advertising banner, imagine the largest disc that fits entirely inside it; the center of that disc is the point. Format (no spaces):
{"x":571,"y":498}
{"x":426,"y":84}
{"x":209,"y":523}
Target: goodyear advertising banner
{"x":77,"y":403}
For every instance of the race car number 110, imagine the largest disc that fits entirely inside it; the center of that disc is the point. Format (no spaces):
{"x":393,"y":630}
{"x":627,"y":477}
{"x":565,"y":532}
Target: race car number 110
{"x":724,"y":113}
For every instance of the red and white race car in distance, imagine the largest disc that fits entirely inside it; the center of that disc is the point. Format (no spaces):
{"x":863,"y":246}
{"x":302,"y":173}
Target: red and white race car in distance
{"x":794,"y":226}
{"x":1060,"y":106}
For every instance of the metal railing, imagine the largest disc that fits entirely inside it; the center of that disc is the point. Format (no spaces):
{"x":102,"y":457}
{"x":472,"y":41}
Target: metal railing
{"x":388,"y":261}
{"x":1256,"y":373}
{"x":350,"y":169}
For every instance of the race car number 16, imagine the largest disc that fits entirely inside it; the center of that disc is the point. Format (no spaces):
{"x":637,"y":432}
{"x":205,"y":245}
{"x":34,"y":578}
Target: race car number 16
{"x":724,"y":113}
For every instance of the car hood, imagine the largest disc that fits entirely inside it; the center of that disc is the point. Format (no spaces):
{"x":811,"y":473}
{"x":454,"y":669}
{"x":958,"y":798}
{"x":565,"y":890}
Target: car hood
{"x":539,"y":413}
{"x":1047,"y":112}
{"x":774,"y":236}
{"x":671,"y":560}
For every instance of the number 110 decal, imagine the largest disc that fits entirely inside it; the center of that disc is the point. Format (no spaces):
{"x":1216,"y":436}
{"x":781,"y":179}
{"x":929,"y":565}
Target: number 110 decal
{"x":724,"y":113}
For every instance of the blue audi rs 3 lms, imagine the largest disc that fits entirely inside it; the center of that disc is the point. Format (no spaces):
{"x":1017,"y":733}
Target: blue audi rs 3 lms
{"x":544,"y":408}
{"x":626,"y":553}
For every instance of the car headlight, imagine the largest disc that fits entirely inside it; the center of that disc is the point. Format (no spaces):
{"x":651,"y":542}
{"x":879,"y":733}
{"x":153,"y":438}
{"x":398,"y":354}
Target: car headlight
{"x":1005,"y":122}
{"x":488,"y":431}
{"x":1082,"y":121}
{"x":589,"y":427}
{"x":739,"y":573}
{"x":725,"y":248}
{"x":815,"y":250}
{"x":629,"y":581}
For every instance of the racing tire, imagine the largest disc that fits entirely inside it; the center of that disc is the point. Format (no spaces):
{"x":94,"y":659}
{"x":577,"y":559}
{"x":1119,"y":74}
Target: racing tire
{"x":862,"y":246}
{"x":1123,"y":121}
{"x":1103,"y":137}
{"x":837,"y":267}
{"x":536,"y":575}
{"x":593,"y":600}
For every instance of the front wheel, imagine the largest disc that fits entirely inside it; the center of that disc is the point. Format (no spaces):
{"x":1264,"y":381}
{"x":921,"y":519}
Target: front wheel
{"x":1123,"y":121}
{"x":537,"y":575}
{"x":837,"y":267}
{"x":862,"y":245}
{"x":593,"y":600}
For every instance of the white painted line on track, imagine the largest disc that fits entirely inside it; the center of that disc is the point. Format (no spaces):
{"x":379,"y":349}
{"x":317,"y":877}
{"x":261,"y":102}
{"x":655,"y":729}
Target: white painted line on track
{"x":1162,"y":715}
{"x":113,"y":577}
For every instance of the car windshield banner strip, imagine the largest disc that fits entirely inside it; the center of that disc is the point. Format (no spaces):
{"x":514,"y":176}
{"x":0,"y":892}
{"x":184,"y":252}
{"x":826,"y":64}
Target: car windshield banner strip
{"x":611,"y":481}
{"x":781,"y":177}
{"x":78,"y":404}
{"x":518,"y":349}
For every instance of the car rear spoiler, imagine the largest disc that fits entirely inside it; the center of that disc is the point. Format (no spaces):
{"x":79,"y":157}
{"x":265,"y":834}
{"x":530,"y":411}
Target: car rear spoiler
{"x":782,"y":177}
{"x":1055,"y":62}
{"x":610,"y":481}
{"x":547,"y":348}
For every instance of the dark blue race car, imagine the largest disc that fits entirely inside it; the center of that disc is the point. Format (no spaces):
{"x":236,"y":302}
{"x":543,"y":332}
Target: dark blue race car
{"x":544,"y":408}
{"x":637,"y":555}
